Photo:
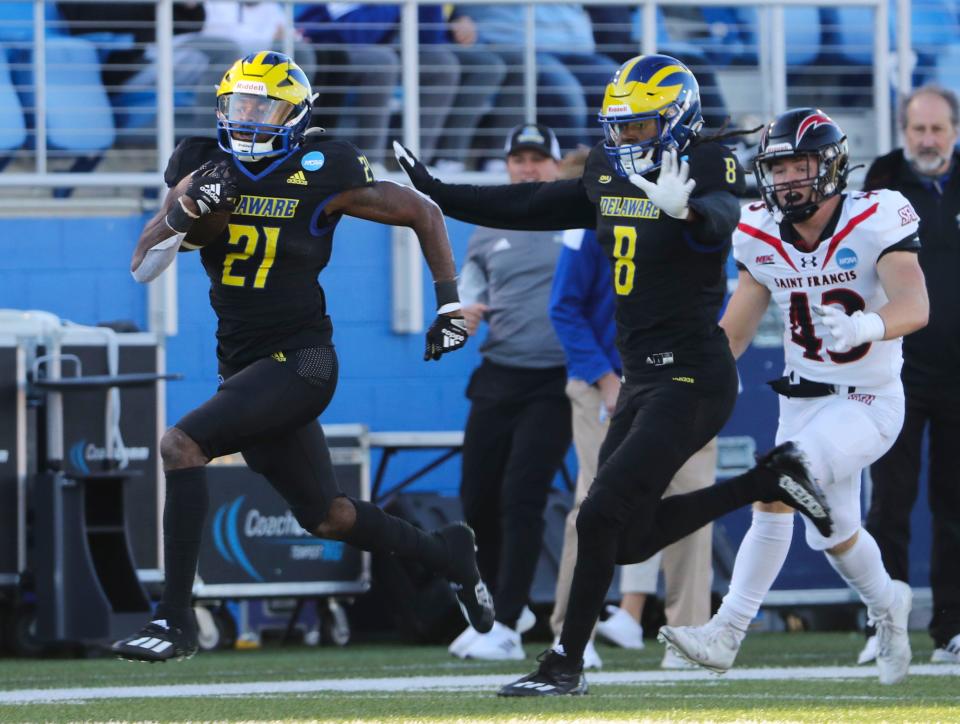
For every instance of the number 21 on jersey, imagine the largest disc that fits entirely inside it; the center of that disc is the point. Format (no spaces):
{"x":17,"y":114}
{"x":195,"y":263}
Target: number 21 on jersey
{"x":624,"y":251}
{"x":247,"y":239}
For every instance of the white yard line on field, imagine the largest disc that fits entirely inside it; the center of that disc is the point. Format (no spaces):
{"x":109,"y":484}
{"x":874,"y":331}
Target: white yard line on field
{"x":442,"y":683}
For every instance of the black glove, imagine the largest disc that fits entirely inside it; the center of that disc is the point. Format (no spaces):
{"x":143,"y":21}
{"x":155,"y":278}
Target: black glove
{"x":446,"y":334}
{"x":419,"y":175}
{"x":213,"y":187}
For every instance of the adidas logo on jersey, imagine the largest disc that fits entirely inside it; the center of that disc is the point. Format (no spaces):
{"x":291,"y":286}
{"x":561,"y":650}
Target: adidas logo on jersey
{"x":297,"y":178}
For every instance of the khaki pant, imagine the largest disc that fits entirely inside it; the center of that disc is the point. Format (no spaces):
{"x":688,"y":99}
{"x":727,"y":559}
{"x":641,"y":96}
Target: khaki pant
{"x":687,"y":564}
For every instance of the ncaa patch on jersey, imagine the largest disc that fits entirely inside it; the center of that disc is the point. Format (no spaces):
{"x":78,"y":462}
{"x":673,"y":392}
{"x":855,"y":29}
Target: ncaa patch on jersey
{"x":847,"y":258}
{"x":313,"y":161}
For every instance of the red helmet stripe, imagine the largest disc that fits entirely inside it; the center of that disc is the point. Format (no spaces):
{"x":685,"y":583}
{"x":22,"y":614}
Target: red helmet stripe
{"x":812,"y":121}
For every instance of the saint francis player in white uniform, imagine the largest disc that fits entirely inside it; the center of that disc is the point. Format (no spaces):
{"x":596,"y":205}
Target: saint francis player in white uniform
{"x":843,"y":270}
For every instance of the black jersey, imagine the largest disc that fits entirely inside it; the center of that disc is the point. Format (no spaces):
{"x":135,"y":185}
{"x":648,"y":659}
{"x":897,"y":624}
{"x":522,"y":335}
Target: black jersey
{"x":263,"y":271}
{"x":668,"y":275}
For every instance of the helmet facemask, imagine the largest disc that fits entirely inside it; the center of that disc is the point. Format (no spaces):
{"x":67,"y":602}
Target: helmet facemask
{"x":826,"y":177}
{"x":257,"y":126}
{"x":263,"y":106}
{"x":639,"y":157}
{"x":655,"y":88}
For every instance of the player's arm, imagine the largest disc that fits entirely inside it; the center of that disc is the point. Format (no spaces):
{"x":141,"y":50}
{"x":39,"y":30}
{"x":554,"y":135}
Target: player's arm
{"x":210,"y":189}
{"x":907,"y":307}
{"x":156,"y":230}
{"x":545,"y":206}
{"x":390,"y":203}
{"x":744,"y":312}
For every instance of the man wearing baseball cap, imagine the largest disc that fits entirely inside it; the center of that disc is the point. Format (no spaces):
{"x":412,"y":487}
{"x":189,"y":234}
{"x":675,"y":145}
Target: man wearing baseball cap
{"x":519,"y":426}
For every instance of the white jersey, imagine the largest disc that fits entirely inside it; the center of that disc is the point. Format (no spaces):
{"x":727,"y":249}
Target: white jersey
{"x":841,"y":270}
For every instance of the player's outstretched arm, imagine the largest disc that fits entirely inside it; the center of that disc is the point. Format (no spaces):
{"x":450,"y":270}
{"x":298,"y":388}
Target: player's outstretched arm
{"x":542,"y":206}
{"x":390,"y":203}
{"x":744,"y":312}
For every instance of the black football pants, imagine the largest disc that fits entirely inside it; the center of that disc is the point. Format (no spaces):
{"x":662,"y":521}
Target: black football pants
{"x":512,"y":450}
{"x":659,"y":423}
{"x":268,"y":412}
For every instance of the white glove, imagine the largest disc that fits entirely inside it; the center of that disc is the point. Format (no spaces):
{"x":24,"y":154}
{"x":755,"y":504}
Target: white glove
{"x":673,"y":187}
{"x":850,"y":331}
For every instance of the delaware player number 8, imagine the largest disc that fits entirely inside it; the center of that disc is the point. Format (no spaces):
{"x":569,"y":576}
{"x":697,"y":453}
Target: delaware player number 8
{"x":624,"y":249}
{"x":248,"y":238}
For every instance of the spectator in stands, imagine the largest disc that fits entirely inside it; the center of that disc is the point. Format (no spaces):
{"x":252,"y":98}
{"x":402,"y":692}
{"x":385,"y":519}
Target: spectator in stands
{"x":256,"y":26}
{"x":518,"y":429}
{"x":925,"y":171}
{"x":613,"y":31}
{"x":581,"y":309}
{"x":457,"y":81}
{"x":571,"y":75}
{"x":128,"y":72}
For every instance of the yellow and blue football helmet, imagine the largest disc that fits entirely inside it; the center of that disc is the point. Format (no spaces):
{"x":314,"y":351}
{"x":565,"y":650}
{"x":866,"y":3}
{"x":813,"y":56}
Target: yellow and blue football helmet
{"x":263,"y":106}
{"x":649,"y":87}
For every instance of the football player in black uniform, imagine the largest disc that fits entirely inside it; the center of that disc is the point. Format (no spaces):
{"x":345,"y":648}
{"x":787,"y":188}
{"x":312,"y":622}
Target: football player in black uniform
{"x":284,"y":192}
{"x":663,"y":200}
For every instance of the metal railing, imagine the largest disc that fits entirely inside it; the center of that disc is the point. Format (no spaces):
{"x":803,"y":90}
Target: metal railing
{"x":773,"y":41}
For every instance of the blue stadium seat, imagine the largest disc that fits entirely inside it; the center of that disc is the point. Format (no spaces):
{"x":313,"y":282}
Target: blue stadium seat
{"x":802,"y":28}
{"x":79,"y":119}
{"x":13,"y":127}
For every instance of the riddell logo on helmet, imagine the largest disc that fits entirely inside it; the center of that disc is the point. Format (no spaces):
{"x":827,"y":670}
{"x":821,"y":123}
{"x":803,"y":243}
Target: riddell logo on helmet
{"x":616,"y":109}
{"x":250,"y":86}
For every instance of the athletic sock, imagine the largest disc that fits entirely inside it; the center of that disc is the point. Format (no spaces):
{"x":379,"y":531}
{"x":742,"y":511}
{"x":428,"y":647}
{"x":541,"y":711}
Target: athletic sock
{"x":184,"y":513}
{"x":862,"y":568}
{"x":759,"y":560}
{"x":380,"y":532}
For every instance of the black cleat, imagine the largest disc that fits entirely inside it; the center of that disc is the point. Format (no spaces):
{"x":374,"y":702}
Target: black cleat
{"x":157,"y":642}
{"x":554,"y":677}
{"x":472,"y":594}
{"x":795,"y":486}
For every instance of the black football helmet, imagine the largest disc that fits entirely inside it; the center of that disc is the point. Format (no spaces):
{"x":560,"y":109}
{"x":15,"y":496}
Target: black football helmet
{"x":802,"y":132}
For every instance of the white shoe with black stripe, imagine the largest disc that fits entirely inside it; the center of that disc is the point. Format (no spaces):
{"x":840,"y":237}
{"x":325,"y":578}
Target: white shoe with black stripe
{"x":157,"y":642}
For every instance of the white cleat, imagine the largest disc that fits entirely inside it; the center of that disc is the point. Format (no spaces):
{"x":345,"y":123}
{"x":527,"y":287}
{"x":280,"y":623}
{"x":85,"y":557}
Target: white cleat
{"x":620,"y":629}
{"x":527,"y":620}
{"x":501,"y":643}
{"x":458,"y":647}
{"x":868,"y":654}
{"x":949,"y":654}
{"x":713,"y":646}
{"x":672,"y":661}
{"x":893,"y":641}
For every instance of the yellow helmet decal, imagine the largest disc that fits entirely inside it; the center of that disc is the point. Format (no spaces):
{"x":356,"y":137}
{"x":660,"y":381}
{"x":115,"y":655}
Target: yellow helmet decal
{"x":637,"y":96}
{"x":261,"y":74}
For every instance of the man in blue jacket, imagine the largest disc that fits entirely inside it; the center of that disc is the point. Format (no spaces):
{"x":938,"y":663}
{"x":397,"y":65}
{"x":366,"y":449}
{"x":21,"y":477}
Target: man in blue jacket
{"x":581,"y":309}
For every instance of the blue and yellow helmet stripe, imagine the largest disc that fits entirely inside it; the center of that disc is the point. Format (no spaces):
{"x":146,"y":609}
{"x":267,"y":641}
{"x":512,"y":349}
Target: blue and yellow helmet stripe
{"x":268,"y":73}
{"x":647,"y":84}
